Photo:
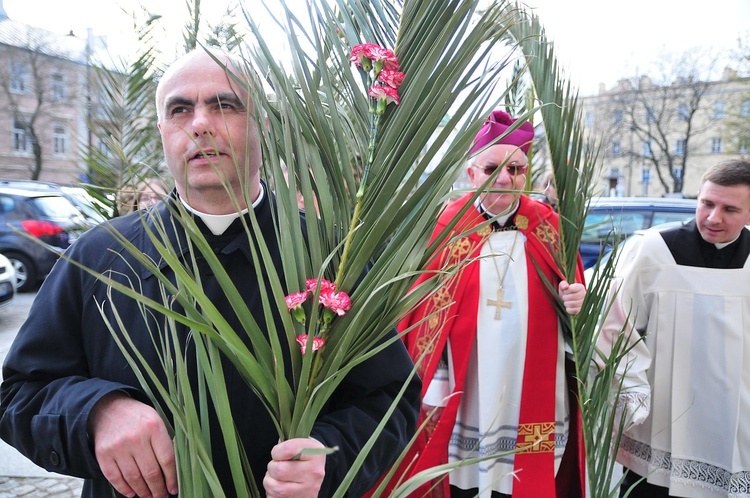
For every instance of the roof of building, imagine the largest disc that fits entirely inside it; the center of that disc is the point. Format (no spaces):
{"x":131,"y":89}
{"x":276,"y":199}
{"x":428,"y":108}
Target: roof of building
{"x":69,"y":47}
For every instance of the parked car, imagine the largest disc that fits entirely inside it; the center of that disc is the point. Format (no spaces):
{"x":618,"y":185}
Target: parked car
{"x":7,"y":282}
{"x":35,"y":227}
{"x":88,"y":206}
{"x":612,"y":219}
{"x":624,"y":246}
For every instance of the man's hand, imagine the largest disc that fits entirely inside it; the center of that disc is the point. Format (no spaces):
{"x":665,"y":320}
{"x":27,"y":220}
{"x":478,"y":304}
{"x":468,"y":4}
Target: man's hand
{"x":133,"y":448}
{"x":433,"y":412}
{"x":572,"y":296}
{"x":299,"y":478}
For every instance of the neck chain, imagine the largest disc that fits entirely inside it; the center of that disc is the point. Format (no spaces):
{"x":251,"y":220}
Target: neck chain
{"x":498,"y":302}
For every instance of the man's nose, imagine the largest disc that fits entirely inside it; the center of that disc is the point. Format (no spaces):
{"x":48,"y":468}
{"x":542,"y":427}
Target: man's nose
{"x":504,"y":176}
{"x":202,"y":122}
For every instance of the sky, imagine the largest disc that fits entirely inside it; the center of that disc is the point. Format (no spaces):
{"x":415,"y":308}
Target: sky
{"x":597,"y":41}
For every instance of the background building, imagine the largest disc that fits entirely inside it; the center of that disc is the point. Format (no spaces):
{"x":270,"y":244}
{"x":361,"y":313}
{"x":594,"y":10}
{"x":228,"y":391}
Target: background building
{"x":657,"y":140}
{"x":45,"y":101}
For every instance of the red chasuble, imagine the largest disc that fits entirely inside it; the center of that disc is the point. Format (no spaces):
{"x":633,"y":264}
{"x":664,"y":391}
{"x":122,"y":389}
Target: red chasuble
{"x":456,"y":319}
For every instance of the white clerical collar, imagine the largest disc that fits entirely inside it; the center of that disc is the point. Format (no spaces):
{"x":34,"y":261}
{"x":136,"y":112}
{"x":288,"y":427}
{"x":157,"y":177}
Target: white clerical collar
{"x":502,"y":219}
{"x":218,"y":223}
{"x":722,"y":245}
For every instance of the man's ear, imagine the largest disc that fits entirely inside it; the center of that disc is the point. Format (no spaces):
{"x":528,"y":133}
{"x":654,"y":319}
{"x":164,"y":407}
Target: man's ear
{"x":471,"y":172}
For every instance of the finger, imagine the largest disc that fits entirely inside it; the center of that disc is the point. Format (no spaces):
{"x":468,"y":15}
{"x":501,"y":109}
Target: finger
{"x":153,"y":478}
{"x":285,"y":451}
{"x":112,"y":473}
{"x":131,"y":474}
{"x":272,"y":486}
{"x":164,"y":453}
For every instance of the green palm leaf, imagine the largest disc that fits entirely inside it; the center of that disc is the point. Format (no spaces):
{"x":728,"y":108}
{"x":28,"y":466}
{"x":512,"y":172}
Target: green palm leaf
{"x":575,"y":174}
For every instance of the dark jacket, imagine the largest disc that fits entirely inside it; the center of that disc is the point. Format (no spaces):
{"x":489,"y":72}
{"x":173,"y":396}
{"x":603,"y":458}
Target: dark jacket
{"x":64,"y":360}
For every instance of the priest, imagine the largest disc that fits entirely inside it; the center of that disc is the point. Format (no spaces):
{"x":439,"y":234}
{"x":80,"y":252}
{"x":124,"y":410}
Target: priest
{"x":684,"y":295}
{"x":489,"y":347}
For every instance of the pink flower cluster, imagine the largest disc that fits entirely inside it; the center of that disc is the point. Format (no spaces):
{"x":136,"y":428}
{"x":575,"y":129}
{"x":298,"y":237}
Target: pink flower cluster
{"x":384,"y":63}
{"x":366,"y":54}
{"x":334,"y":303}
{"x":338,"y":302}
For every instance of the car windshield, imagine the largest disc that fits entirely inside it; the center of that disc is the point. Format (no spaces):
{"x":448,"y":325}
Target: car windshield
{"x":84,"y":202}
{"x":615,"y":225}
{"x":600,"y":226}
{"x":57,"y":207}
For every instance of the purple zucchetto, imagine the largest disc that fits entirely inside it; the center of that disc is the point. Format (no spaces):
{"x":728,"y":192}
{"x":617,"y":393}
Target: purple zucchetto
{"x":495,"y":125}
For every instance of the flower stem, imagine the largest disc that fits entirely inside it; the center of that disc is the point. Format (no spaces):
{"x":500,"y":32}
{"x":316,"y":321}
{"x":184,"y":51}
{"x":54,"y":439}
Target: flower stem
{"x":374,"y":121}
{"x":349,"y":236}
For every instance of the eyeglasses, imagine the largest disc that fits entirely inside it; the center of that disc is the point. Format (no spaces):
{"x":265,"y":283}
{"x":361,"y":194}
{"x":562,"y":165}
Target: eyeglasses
{"x":513,"y":169}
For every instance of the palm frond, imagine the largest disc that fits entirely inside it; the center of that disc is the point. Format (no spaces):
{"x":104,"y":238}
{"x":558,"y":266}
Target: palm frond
{"x":575,"y":173}
{"x":123,"y":119}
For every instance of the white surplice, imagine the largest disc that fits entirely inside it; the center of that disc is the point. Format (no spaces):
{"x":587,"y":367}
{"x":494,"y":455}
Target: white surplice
{"x":696,"y":356}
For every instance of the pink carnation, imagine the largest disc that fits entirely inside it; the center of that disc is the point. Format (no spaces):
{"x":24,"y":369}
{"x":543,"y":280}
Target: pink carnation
{"x":391,"y":78}
{"x":295,"y":300}
{"x":362,"y":53}
{"x":387,"y":93}
{"x":325,"y":285}
{"x":338,"y":302}
{"x":317,"y":343}
{"x":385,"y":56}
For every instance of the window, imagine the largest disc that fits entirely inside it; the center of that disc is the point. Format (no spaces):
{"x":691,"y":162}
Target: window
{"x":679,"y":147}
{"x":616,"y":149}
{"x":19,"y":77}
{"x":20,"y":138}
{"x":661,"y":217}
{"x":617,"y":117}
{"x":647,"y":151}
{"x":745,"y":109}
{"x":677,"y":173}
{"x":59,"y":140}
{"x":719,"y":109}
{"x":683,"y":112}
{"x":57,"y":89}
{"x":716,"y":145}
{"x":590,"y":121}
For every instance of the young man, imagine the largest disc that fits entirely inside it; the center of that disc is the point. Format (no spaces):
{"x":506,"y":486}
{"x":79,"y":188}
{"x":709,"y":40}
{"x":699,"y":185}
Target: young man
{"x":71,"y":403}
{"x":488,"y":344}
{"x":686,"y":291}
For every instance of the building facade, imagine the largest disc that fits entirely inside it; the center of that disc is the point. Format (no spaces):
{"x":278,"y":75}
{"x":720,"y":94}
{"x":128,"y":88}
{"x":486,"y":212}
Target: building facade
{"x":657,"y":140}
{"x":45,"y":100}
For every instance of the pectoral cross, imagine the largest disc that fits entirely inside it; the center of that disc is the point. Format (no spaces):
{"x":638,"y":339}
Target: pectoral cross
{"x":499,"y":303}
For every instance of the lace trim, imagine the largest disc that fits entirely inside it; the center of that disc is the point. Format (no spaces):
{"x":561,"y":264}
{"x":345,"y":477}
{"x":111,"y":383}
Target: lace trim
{"x":633,"y":398}
{"x":690,"y":472}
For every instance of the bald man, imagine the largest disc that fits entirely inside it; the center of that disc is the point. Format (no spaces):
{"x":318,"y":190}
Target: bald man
{"x":71,"y":403}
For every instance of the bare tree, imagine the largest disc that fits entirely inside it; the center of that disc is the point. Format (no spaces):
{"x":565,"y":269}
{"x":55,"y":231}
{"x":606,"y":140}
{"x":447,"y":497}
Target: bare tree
{"x":738,"y":115}
{"x":34,"y":89}
{"x":655,"y":120}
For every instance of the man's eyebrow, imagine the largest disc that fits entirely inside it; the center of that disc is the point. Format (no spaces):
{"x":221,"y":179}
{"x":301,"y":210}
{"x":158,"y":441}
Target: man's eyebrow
{"x":177,"y":101}
{"x":228,"y":98}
